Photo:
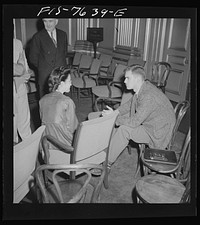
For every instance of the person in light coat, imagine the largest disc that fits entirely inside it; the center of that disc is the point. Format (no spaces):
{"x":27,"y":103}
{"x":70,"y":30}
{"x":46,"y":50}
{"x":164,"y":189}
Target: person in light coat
{"x":21,"y":74}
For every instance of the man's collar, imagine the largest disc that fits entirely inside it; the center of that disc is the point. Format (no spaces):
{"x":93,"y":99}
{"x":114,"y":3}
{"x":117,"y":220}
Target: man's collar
{"x":139,"y":90}
{"x":54,"y":32}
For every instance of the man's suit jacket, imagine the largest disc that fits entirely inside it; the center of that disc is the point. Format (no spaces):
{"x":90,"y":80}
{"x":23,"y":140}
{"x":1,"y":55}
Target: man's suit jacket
{"x":45,"y":56}
{"x":151,"y":109}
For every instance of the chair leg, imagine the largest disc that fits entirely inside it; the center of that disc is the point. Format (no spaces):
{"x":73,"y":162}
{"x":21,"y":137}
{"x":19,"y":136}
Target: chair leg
{"x":129,"y":149}
{"x":93,"y":102}
{"x":138,"y":200}
{"x":141,"y":148}
{"x":92,"y":96}
{"x":108,"y":168}
{"x":96,"y":104}
{"x":106,"y":180}
{"x":138,"y":169}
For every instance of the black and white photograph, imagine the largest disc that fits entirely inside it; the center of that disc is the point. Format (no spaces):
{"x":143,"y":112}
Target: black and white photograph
{"x":99,"y":117}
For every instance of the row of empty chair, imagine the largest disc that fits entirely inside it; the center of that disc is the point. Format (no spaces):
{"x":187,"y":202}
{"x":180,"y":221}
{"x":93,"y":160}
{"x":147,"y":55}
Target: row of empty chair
{"x":102,"y":70}
{"x":88,"y":74}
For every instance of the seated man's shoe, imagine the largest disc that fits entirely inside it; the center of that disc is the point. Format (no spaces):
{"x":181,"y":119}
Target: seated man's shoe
{"x":109,"y":167}
{"x":96,"y":172}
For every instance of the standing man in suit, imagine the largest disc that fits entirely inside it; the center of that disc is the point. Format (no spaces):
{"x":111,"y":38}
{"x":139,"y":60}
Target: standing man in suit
{"x":147,"y":117}
{"x":48,"y":50}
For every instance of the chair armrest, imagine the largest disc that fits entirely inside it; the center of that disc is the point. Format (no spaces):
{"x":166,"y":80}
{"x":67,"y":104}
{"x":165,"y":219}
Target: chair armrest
{"x":75,"y":72}
{"x":89,"y":75}
{"x":83,"y":78}
{"x":62,"y":147}
{"x":109,"y":87}
{"x":114,"y":82}
{"x":105,"y":66}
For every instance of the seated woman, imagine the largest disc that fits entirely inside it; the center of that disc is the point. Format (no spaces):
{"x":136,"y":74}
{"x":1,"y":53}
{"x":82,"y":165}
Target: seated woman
{"x":57,"y":111}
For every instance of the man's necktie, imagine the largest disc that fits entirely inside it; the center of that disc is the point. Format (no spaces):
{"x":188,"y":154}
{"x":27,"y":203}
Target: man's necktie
{"x":133,"y":107}
{"x":54,"y":41}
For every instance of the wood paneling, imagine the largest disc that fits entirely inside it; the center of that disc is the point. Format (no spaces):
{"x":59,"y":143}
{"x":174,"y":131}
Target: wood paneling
{"x":177,"y":53}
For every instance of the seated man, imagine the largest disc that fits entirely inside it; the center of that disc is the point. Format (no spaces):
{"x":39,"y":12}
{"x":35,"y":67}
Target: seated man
{"x":147,"y":117}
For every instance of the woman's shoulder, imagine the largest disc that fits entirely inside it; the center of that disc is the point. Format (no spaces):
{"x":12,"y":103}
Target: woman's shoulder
{"x":64,"y":98}
{"x":57,"y":96}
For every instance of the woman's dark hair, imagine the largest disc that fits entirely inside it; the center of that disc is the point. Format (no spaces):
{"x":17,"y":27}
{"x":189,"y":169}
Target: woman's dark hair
{"x":57,"y":75}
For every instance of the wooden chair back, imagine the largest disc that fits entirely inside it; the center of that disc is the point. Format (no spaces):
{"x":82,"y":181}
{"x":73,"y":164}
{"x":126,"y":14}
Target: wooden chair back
{"x":180,"y":110}
{"x":76,"y":59}
{"x":24,"y":162}
{"x":95,"y":66}
{"x":119,"y":72}
{"x":184,"y":159}
{"x":85,"y":62}
{"x":160,"y":74}
{"x":106,"y":61}
{"x":187,"y":194}
{"x":92,"y":139}
{"x":63,"y":189}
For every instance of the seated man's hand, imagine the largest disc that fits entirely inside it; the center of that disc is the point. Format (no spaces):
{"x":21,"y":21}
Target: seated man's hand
{"x":107,"y":111}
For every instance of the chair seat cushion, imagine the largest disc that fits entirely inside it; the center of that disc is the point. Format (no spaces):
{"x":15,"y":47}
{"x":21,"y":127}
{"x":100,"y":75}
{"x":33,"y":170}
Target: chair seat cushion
{"x":159,"y":189}
{"x":78,"y":82}
{"x":102,"y":91}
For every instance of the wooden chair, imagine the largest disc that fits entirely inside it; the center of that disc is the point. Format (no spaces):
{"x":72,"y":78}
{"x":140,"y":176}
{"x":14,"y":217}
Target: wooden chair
{"x":180,"y":110}
{"x":91,"y":145}
{"x":24,"y":161}
{"x":84,"y":65}
{"x":87,"y":79}
{"x":160,"y":74}
{"x":76,"y":60}
{"x":161,"y":189}
{"x":104,"y":74}
{"x":66,"y":190}
{"x":179,"y":170}
{"x":111,"y":92}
